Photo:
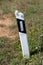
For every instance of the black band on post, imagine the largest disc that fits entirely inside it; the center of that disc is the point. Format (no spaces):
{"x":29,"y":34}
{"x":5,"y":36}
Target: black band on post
{"x":21,"y":26}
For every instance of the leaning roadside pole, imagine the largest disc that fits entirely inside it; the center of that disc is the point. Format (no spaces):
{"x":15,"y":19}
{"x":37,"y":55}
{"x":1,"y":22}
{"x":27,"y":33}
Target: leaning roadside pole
{"x":22,"y":33}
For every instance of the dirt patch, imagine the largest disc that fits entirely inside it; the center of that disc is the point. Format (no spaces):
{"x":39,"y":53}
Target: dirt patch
{"x":6,"y":20}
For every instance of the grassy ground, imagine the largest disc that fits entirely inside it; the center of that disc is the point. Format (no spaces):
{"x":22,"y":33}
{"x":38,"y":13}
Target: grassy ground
{"x":10,"y":51}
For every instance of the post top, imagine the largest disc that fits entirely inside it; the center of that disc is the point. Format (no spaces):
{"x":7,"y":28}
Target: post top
{"x":19,"y":15}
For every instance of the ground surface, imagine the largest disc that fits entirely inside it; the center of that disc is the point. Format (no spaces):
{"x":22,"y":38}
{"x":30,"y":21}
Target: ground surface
{"x":10,"y":47}
{"x":8,"y":27}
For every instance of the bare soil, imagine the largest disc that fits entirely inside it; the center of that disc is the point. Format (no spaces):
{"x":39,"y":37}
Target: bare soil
{"x":6,"y":21}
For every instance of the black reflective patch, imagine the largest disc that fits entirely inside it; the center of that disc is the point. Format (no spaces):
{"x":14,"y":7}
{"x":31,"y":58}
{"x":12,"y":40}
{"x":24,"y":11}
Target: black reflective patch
{"x":21,"y":26}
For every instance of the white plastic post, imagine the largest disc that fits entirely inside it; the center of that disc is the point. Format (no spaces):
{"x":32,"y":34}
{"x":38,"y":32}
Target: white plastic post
{"x":22,"y":33}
